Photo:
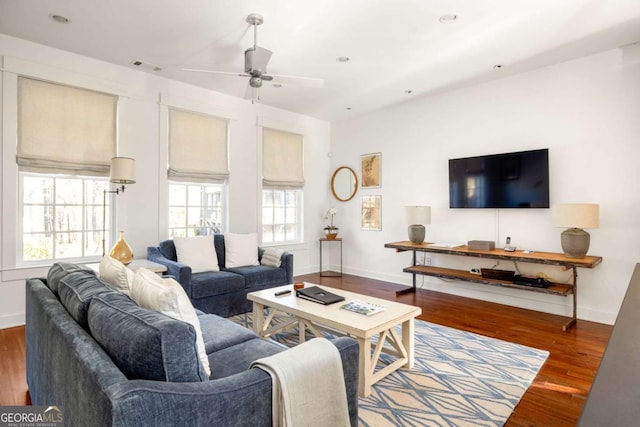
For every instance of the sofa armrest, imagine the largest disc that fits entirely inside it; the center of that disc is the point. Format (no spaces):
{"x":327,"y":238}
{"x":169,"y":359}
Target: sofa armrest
{"x":286,"y":262}
{"x":182,"y":272}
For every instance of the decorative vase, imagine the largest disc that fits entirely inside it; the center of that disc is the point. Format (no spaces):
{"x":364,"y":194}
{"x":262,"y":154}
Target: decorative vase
{"x":122,"y":251}
{"x":331,"y":233}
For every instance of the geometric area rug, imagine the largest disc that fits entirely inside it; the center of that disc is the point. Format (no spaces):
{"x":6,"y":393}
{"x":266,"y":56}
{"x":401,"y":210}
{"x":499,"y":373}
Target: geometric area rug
{"x":459,"y":379}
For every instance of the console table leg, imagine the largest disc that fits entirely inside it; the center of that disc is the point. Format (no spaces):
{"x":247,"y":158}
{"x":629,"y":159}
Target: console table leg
{"x":411,"y":290}
{"x":573,"y":319}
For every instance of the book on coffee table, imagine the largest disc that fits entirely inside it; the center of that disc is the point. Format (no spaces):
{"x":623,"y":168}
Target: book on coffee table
{"x":319,"y":295}
{"x":360,"y":307}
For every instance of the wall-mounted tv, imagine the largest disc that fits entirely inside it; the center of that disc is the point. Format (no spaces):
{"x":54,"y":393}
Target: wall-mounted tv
{"x":509,"y":180}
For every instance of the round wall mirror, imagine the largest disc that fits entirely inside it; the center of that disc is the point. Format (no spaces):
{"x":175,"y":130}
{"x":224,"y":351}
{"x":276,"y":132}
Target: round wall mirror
{"x":344,"y":183}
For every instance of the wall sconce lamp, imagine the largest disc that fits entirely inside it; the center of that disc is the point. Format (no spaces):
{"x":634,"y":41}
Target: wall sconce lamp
{"x":122,"y":173}
{"x":416,"y":216}
{"x":574,"y":240}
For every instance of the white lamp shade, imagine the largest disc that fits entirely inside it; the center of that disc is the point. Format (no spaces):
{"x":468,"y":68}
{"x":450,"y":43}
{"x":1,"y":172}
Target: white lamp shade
{"x":122,"y":170}
{"x":417,"y":214}
{"x":576,"y":215}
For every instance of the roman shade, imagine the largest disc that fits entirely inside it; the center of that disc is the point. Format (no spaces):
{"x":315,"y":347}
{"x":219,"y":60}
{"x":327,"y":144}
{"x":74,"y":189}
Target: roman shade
{"x":197,"y":147}
{"x":63,"y":129}
{"x":282,"y":159}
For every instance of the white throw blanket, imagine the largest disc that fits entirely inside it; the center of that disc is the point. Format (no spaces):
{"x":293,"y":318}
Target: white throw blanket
{"x":308,"y":385}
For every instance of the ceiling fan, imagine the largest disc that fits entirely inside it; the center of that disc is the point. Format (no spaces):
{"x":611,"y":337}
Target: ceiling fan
{"x":256,"y":59}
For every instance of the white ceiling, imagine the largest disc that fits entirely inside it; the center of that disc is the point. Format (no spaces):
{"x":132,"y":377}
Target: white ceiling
{"x":394,"y":45}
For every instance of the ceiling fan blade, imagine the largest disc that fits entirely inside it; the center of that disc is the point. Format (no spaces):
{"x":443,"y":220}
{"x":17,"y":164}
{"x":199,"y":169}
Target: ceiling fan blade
{"x":256,"y":59}
{"x":298,"y":81}
{"x":228,"y":73}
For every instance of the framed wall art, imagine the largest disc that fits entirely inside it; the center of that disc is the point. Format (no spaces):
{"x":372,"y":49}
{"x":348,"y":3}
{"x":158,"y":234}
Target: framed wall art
{"x":371,"y":213}
{"x":371,"y":170}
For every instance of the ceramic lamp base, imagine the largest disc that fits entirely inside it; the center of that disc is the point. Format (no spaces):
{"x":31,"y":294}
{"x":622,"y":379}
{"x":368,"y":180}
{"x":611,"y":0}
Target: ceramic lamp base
{"x":575,"y":242}
{"x":417,"y":233}
{"x":122,"y":251}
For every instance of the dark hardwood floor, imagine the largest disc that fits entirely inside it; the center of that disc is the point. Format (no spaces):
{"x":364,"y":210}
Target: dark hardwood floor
{"x":555,"y":398}
{"x":559,"y":391}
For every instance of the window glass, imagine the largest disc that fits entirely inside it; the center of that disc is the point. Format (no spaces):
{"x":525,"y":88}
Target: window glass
{"x":195,"y":209}
{"x":281,"y":216}
{"x":61,"y":216}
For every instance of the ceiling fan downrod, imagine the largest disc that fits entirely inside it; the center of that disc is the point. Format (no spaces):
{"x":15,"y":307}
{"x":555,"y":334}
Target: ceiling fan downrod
{"x":255,"y":19}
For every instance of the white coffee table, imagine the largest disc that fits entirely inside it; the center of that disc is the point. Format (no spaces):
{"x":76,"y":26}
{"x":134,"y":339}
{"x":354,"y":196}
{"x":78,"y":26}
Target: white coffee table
{"x":313,"y":317}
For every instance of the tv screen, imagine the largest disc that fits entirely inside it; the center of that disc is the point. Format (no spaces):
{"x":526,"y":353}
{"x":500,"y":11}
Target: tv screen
{"x":510,"y":180}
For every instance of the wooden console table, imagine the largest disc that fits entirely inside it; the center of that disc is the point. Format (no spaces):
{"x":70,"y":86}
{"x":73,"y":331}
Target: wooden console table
{"x":548,"y":258}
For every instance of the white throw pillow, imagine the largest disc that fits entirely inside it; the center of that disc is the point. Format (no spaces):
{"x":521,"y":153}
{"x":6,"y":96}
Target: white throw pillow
{"x":167,"y":296}
{"x":272,"y":257}
{"x":116,"y":274}
{"x":241,"y":250}
{"x":198,"y":252}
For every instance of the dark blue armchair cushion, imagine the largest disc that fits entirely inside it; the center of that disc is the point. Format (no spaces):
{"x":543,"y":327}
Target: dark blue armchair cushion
{"x":76,"y":292}
{"x":260,"y":275}
{"x":210,"y":283}
{"x":59,"y":270}
{"x":144,"y":344}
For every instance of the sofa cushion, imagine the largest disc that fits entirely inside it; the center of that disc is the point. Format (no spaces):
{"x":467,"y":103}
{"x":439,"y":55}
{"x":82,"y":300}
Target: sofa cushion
{"x":116,"y":274}
{"x":198,"y":252}
{"x":167,"y":296}
{"x":219,"y":333}
{"x":76,"y":292}
{"x":144,"y":344}
{"x":59,"y":270}
{"x":215,"y":283}
{"x":261,"y":276}
{"x":238,"y":358}
{"x":240,"y":250}
{"x":168,"y":249}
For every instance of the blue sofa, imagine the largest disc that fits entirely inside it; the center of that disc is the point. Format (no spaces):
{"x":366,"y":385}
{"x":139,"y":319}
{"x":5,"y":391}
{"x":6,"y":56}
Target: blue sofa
{"x":222,"y":292}
{"x":105,"y":361}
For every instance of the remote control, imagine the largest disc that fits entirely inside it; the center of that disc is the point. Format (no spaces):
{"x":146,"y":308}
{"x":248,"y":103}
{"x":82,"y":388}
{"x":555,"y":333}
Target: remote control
{"x":286,"y":291}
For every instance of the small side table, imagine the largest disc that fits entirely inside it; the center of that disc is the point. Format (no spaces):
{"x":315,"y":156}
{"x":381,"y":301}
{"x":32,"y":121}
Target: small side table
{"x":329,"y":273}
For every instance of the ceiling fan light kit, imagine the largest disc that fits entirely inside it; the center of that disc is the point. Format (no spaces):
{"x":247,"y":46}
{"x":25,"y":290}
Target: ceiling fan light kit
{"x":256,"y":59}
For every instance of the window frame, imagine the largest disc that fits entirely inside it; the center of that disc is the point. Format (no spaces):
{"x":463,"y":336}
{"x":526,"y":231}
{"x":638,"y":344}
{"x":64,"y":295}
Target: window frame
{"x":109,"y":213}
{"x":222,"y":208}
{"x":299,"y":217}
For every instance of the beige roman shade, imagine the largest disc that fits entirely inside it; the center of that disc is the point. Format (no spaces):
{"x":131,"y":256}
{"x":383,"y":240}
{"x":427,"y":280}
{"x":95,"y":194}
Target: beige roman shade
{"x":282,"y":159}
{"x":63,"y":129}
{"x":197,"y":147}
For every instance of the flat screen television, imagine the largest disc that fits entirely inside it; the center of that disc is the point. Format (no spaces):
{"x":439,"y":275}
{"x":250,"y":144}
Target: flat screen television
{"x":509,"y":180}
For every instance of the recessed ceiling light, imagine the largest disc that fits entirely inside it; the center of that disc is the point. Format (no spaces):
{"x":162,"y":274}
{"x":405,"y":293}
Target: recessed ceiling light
{"x":448,"y":19}
{"x":348,"y":108}
{"x":497,"y":66}
{"x":343,"y":59}
{"x":59,"y":19}
{"x":408,"y":91}
{"x":277,"y":85}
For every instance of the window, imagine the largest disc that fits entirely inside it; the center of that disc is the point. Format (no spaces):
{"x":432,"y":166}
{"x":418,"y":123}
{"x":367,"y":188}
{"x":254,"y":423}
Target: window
{"x":282,"y":182}
{"x":195,"y":209}
{"x":281,"y":213}
{"x":66,"y":138}
{"x":61,"y":216}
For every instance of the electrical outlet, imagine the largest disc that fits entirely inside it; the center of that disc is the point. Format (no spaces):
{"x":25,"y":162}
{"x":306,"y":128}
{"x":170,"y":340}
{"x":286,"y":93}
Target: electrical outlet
{"x":427,"y":260}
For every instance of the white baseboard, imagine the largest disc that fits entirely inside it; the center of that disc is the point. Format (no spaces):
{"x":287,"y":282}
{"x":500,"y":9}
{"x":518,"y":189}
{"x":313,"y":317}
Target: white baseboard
{"x":9,"y":321}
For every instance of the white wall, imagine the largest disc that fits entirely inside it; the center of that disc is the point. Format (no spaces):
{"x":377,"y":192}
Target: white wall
{"x":585,"y":111}
{"x":141,"y":208}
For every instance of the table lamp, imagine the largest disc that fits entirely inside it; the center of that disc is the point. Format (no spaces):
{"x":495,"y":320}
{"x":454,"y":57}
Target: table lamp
{"x":416,"y":216}
{"x":574,"y":240}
